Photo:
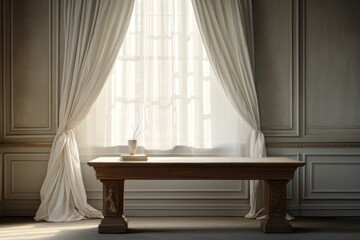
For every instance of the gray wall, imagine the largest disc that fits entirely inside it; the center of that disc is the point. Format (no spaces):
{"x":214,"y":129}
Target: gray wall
{"x":308,"y":82}
{"x":307,"y":76}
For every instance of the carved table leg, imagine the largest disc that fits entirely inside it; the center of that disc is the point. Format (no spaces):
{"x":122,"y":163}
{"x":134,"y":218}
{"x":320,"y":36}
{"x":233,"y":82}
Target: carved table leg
{"x":113,"y":208}
{"x":275,"y":207}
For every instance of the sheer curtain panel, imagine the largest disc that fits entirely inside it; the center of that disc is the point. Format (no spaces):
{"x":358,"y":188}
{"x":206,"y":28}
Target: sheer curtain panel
{"x":162,"y":80}
{"x":94,"y":31}
{"x":227,"y":32}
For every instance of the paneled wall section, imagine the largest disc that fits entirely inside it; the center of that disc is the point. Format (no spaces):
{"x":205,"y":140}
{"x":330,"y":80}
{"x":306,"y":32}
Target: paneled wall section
{"x":307,"y":78}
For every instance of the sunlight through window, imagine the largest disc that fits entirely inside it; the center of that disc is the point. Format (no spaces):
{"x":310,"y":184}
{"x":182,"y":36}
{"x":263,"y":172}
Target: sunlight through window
{"x":162,"y":81}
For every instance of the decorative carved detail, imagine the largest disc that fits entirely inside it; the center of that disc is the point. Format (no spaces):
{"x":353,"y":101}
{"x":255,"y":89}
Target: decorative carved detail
{"x":113,"y":207}
{"x":112,"y":201}
{"x":113,"y":198}
{"x":313,"y":144}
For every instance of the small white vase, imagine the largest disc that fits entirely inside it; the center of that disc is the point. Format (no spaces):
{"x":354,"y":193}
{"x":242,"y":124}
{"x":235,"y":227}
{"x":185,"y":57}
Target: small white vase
{"x":132,"y":144}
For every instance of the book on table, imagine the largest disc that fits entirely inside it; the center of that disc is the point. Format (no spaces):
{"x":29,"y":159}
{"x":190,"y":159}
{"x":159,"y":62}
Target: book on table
{"x":134,"y":157}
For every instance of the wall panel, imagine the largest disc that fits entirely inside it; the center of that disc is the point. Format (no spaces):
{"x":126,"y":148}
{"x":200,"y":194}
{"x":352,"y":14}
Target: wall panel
{"x":24,"y":175}
{"x":331,"y":69}
{"x":31,"y":68}
{"x":332,"y":176}
{"x":276,"y":65}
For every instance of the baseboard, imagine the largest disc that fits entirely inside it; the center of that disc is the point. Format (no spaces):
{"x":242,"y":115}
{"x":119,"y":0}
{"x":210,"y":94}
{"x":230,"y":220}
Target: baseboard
{"x":19,"y":208}
{"x":328,"y":213}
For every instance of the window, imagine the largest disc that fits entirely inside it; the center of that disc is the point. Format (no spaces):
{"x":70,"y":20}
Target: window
{"x":162,"y":81}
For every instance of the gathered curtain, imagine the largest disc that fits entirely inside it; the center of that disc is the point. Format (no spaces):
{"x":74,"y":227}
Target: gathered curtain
{"x":226,"y":28}
{"x":93,"y":33}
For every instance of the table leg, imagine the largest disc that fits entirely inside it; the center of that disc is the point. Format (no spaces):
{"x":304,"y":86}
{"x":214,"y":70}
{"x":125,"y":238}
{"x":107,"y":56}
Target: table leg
{"x":275,"y":207}
{"x":113,"y":207}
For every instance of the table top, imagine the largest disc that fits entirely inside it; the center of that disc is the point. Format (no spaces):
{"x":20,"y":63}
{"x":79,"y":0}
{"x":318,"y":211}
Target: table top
{"x":200,"y":160}
{"x":111,"y":168}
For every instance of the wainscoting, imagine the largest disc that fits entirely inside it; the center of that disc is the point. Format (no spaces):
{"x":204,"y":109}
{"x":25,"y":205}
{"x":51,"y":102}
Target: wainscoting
{"x":307,"y":79}
{"x":327,"y":186}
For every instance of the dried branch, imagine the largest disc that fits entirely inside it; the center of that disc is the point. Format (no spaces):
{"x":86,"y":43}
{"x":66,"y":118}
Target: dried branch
{"x":137,"y":131}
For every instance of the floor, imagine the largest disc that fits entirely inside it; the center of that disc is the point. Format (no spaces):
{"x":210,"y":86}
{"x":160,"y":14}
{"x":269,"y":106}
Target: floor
{"x":181,"y":228}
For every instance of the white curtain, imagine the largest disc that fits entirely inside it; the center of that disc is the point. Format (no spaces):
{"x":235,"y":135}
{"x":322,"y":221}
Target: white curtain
{"x":94,"y":31}
{"x":162,"y":81}
{"x":227,"y":31}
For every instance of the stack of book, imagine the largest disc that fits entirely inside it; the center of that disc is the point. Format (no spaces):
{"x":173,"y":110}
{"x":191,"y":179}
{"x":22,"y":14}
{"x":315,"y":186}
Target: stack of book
{"x":134,"y":157}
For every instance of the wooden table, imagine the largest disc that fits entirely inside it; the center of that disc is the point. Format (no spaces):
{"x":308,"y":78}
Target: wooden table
{"x":276,"y":172}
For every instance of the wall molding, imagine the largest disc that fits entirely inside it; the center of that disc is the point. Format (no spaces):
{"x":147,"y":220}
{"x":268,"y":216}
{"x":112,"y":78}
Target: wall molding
{"x":313,"y":144}
{"x":268,"y":145}
{"x":24,"y":145}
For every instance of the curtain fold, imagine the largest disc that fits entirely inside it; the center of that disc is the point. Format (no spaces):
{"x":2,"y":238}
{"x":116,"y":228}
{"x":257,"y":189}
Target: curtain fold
{"x":227,"y":33}
{"x":93,"y":33}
